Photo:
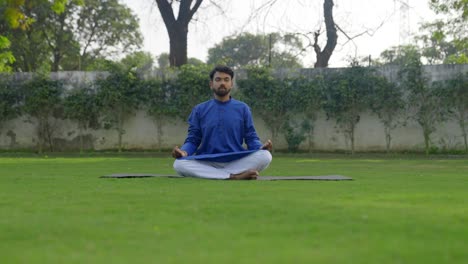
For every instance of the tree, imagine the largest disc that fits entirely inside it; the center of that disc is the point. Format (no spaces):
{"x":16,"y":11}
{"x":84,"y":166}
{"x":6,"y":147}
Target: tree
{"x":188,"y":88}
{"x":57,"y":32}
{"x":248,"y":49}
{"x":436,"y":47}
{"x":163,"y":61}
{"x":13,"y":17}
{"x":425,"y":105}
{"x":446,"y":39}
{"x":159,"y":105}
{"x":272,"y":99}
{"x":81,"y":105}
{"x":454,"y":94}
{"x":10,"y":97}
{"x":106,"y":28}
{"x":43,"y":101}
{"x":323,"y":55}
{"x":331,"y":28}
{"x":119,"y":95}
{"x":177,"y":28}
{"x":139,"y":61}
{"x":386,"y":100}
{"x":346,"y":98}
{"x":70,"y":40}
{"x":458,"y":8}
{"x":29,"y":46}
{"x":309,"y":102}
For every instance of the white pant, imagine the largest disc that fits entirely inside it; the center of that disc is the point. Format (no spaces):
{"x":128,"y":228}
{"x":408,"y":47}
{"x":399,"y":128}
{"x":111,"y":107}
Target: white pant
{"x":258,"y":160}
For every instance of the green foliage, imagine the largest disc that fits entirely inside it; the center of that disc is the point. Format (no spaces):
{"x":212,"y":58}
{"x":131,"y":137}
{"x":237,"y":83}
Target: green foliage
{"x":43,"y":101}
{"x":249,"y":49}
{"x":454,"y":94}
{"x":445,"y":40}
{"x":69,"y":35}
{"x":425,"y":105}
{"x":163,"y":60}
{"x":194,"y":61}
{"x":58,"y":6}
{"x":106,"y":28}
{"x":459,"y":7}
{"x":270,"y":98}
{"x":164,"y":63}
{"x":189,"y":88}
{"x":18,"y":22}
{"x":119,"y":95}
{"x":10,"y":96}
{"x":13,"y":15}
{"x":159,"y":104}
{"x":6,"y":57}
{"x":81,"y":106}
{"x":138,"y":61}
{"x":294,"y":135}
{"x":436,"y":47}
{"x":346,"y":97}
{"x":386,"y":100}
{"x":308,"y":102}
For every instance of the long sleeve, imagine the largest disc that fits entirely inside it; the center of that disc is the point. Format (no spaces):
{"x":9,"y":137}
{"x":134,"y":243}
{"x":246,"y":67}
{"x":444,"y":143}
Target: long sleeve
{"x":250,"y":135}
{"x":194,"y":136}
{"x":216,"y":127}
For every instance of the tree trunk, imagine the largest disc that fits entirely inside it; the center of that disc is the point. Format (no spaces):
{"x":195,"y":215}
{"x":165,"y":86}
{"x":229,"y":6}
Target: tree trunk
{"x":58,"y":46}
{"x":49,"y":133}
{"x":40,"y":136}
{"x":352,"y":138}
{"x":159,"y":129}
{"x":464,"y":133}
{"x":323,"y":56}
{"x":274,"y":136}
{"x":310,"y":136}
{"x":120,"y":129}
{"x":178,"y":46}
{"x":388,"y":138}
{"x":177,"y":29}
{"x":80,"y":135}
{"x":426,"y":140}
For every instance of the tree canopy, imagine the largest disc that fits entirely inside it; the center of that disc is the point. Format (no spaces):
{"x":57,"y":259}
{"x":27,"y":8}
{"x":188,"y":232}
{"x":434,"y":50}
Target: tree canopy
{"x":82,"y":31}
{"x":262,"y":50}
{"x":445,"y":40}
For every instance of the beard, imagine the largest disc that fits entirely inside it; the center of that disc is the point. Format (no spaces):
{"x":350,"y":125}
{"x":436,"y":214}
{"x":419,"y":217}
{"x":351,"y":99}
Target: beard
{"x":221,"y":91}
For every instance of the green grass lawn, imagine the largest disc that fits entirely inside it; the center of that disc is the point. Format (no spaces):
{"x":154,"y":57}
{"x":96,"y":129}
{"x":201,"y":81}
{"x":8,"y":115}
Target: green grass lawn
{"x":397,"y":210}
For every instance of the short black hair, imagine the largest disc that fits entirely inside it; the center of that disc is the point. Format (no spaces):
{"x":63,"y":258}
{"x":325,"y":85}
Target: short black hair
{"x":222,"y":68}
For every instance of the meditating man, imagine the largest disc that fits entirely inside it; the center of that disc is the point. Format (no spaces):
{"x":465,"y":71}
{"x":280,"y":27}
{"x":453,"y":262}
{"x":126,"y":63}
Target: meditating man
{"x":217,"y":130}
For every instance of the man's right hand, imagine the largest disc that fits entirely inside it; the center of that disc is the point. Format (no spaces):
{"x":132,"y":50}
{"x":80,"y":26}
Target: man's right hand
{"x":178,"y":153}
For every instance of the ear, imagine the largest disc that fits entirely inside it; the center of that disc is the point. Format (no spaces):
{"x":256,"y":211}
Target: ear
{"x":211,"y":84}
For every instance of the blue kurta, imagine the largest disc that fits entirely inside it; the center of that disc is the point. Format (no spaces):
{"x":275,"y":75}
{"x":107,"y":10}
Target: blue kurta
{"x":217,"y":131}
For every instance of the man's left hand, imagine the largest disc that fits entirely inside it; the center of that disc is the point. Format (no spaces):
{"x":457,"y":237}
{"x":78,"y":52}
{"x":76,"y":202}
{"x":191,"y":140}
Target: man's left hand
{"x":268,"y":145}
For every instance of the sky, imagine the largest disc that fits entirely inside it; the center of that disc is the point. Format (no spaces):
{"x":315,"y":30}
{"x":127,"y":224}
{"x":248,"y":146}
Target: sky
{"x":373,"y":25}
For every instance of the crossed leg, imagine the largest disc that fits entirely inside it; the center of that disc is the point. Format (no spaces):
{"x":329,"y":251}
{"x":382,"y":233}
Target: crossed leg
{"x":244,"y":168}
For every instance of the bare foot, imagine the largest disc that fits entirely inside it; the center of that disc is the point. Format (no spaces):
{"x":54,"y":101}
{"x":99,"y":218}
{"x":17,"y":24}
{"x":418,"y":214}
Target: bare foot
{"x":246,"y":175}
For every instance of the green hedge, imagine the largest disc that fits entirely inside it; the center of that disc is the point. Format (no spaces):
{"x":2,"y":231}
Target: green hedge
{"x":288,"y":105}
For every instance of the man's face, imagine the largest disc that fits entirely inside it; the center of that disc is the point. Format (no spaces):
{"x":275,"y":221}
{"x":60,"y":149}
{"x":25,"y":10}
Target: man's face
{"x":221,"y":84}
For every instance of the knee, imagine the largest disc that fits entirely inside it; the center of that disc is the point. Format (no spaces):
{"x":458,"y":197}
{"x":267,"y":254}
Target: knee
{"x":265,"y":157}
{"x":178,"y":166}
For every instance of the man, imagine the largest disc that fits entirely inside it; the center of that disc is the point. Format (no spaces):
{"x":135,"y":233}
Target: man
{"x":217,"y":130}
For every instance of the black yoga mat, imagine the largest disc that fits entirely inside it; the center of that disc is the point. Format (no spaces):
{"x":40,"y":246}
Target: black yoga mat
{"x":259,"y":178}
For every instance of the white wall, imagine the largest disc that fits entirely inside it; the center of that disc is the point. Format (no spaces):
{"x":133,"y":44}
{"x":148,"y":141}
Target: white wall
{"x":141,"y":130}
{"x":141,"y":134}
